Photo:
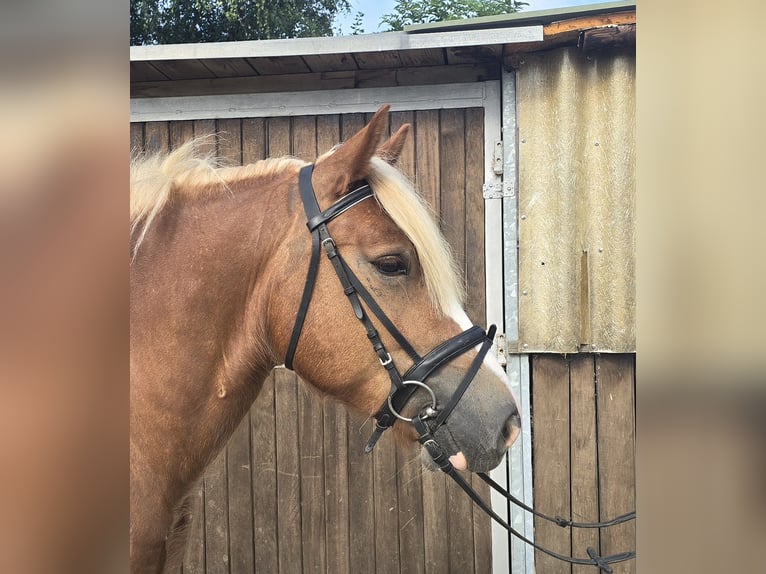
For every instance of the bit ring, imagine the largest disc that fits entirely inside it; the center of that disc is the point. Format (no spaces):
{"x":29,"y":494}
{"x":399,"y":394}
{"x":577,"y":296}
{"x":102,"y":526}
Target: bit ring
{"x":419,"y":384}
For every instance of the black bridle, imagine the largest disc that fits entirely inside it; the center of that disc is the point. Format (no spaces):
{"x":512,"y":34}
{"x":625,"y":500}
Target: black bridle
{"x":403,"y":386}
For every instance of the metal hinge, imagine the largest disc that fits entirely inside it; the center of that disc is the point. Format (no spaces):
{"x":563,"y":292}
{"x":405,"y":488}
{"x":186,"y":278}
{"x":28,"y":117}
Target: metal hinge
{"x":502,"y":357}
{"x":497,"y":190}
{"x":497,"y":158}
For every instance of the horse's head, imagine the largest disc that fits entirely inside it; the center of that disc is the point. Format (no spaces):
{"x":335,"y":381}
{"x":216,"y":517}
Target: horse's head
{"x":385,"y":250}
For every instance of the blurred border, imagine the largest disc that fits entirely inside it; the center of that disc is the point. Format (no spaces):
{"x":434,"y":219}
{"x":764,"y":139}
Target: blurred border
{"x":701,"y":278}
{"x":64,"y":307}
{"x":64,"y":287}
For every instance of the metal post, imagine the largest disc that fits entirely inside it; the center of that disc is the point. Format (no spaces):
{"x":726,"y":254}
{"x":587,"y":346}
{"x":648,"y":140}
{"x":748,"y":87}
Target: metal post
{"x":520,"y":456}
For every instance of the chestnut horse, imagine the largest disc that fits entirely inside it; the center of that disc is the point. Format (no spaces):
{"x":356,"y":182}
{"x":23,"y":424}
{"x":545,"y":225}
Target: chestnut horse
{"x":218,"y":284}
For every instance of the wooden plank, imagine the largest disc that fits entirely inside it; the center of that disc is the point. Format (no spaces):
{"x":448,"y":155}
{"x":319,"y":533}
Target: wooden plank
{"x":373,"y":60}
{"x":616,"y":452}
{"x":435,"y":521}
{"x":587,"y":22}
{"x":406,"y":162}
{"x":453,"y":74}
{"x":183,"y":69}
{"x":246,"y":84}
{"x":336,"y":479}
{"x":312,"y":102}
{"x":361,"y":485}
{"x":331,"y":80}
{"x":473,"y":54}
{"x":217,"y":517}
{"x":206,"y":130}
{"x":229,"y":68}
{"x":427,"y":156}
{"x":145,"y":72}
{"x":350,"y":124}
{"x":330,"y":62}
{"x":230,"y":141}
{"x":253,"y":140}
{"x":310,"y":428}
{"x":304,"y":137}
{"x":181,"y":132}
{"x":156,"y":137}
{"x":239,"y":470}
{"x":276,"y":66}
{"x":423,"y":57}
{"x":563,"y":33}
{"x":410,"y":507}
{"x":474,"y":215}
{"x":279,"y":136}
{"x":583,"y":453}
{"x":328,"y":132}
{"x":288,"y":472}
{"x":452,"y":168}
{"x":482,"y":529}
{"x":136,"y":137}
{"x":550,"y":438}
{"x":376,"y":78}
{"x":264,"y":481}
{"x":386,"y":507}
{"x":194,"y":557}
{"x":460,"y":528}
{"x":608,"y":37}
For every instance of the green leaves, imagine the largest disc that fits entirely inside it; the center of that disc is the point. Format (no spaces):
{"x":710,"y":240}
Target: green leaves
{"x":407,"y":12}
{"x":185,"y":21}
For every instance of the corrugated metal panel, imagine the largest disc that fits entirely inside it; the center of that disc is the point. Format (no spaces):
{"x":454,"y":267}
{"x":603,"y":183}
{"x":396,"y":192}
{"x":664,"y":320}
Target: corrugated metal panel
{"x":576,"y":202}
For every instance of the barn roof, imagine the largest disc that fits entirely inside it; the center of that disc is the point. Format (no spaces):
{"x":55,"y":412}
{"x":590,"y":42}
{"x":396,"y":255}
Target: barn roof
{"x":442,"y":52}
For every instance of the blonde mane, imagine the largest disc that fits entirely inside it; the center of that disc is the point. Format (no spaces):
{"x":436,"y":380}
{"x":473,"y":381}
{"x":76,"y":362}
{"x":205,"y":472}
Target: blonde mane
{"x":416,"y":219}
{"x":157,"y":179}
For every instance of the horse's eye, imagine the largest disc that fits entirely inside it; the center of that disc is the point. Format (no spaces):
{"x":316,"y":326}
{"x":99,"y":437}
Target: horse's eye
{"x":391,"y":265}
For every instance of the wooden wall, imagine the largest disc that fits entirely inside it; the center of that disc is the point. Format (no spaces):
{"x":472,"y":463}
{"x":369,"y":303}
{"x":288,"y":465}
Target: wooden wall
{"x":293,"y":491}
{"x":583,"y":440}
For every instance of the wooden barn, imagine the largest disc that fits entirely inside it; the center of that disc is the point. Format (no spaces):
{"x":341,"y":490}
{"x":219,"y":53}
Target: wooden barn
{"x":523,"y":141}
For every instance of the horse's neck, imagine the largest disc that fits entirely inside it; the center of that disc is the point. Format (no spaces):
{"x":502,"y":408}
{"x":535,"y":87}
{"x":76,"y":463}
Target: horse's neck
{"x":198,"y":334}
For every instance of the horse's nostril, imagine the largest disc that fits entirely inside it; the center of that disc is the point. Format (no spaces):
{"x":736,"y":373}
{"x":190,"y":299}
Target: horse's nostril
{"x":512,"y":428}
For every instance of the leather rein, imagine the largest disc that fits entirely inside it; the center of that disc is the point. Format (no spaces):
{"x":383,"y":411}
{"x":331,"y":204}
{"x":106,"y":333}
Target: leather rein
{"x":403,"y":386}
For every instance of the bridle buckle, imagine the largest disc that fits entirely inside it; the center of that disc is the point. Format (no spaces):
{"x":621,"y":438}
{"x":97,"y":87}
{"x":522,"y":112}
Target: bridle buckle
{"x":328,"y":240}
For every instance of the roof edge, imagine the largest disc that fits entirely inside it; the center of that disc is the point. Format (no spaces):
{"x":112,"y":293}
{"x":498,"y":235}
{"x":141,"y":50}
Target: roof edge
{"x":380,"y":42}
{"x":523,"y":18}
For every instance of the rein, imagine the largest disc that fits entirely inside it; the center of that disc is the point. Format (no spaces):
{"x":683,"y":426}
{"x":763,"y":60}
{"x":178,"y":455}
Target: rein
{"x":404,"y":386}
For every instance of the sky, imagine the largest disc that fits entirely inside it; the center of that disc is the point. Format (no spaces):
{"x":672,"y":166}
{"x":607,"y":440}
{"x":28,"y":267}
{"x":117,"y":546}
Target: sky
{"x":374,"y":9}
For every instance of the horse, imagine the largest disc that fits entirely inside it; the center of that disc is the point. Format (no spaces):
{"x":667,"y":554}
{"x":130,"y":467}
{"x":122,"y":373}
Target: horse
{"x":220,"y":295}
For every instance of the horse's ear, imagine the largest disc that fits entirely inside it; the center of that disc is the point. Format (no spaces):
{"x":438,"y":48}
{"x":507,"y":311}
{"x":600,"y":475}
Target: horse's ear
{"x":351,"y":161}
{"x":391,"y":149}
